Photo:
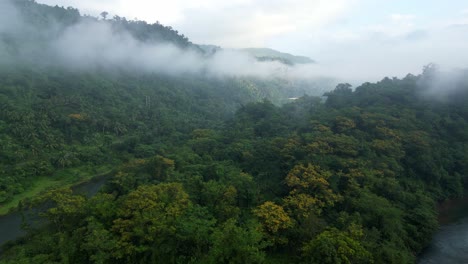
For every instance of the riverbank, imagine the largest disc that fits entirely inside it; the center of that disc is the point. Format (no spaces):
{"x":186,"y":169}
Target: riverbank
{"x":450,"y":243}
{"x":63,"y":178}
{"x":11,"y":223}
{"x":452,"y":210}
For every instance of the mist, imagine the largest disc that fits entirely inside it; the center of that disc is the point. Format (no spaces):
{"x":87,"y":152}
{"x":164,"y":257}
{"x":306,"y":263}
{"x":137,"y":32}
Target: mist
{"x":9,"y":17}
{"x":441,"y":84}
{"x":91,"y":44}
{"x":94,"y":44}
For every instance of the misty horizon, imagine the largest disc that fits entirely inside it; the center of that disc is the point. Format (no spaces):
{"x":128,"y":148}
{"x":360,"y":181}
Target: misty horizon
{"x":357,"y":40}
{"x":95,"y":42}
{"x":92,"y":42}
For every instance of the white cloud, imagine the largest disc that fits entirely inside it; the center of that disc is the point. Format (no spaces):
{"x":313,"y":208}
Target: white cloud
{"x":254,"y":23}
{"x":464,"y":17}
{"x":234,"y":23}
{"x":396,"y":25}
{"x":92,"y":44}
{"x":402,"y":18}
{"x":9,"y":17}
{"x":354,"y":39}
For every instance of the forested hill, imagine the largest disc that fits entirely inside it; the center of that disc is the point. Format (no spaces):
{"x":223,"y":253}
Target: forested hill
{"x":272,"y":55}
{"x":354,"y":179}
{"x":54,"y":120}
{"x":214,"y":168}
{"x":49,"y":20}
{"x":57,"y":118}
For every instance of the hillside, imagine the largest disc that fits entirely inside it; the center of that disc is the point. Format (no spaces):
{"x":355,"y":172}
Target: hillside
{"x":51,"y":20}
{"x":61,"y":108}
{"x":208,"y":166}
{"x":56,"y":119}
{"x":265,"y":54}
{"x":360,"y":173}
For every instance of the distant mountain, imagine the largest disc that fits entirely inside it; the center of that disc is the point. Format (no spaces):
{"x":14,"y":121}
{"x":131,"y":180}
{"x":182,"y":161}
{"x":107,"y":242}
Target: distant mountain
{"x":266,"y":54}
{"x":209,"y":49}
{"x":39,"y":23}
{"x":263,"y":54}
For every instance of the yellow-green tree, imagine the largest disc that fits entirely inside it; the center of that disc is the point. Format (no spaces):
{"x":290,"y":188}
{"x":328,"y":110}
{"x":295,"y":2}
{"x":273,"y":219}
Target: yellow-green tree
{"x":274,"y":219}
{"x":147,"y":221}
{"x":337,"y":247}
{"x":310,"y":190}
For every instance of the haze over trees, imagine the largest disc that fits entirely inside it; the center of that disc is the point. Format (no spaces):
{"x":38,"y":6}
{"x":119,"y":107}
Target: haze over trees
{"x":219,"y":169}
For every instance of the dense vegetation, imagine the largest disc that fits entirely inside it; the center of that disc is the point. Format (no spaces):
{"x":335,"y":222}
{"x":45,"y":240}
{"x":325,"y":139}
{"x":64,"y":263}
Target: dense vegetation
{"x":59,"y":124}
{"x":352,"y":180}
{"x":203,"y":176}
{"x":53,"y":121}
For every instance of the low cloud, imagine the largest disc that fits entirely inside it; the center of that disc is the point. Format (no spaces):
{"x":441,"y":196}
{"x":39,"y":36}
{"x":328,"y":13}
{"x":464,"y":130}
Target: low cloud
{"x":92,"y":44}
{"x":96,"y":44}
{"x":232,"y":24}
{"x":395,"y":47}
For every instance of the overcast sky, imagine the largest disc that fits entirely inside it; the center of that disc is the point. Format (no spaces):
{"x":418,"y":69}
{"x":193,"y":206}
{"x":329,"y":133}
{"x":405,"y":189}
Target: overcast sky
{"x":378,"y":37}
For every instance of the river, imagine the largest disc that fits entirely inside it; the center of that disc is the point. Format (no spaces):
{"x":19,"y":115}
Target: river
{"x":450,"y":243}
{"x":10,"y":225}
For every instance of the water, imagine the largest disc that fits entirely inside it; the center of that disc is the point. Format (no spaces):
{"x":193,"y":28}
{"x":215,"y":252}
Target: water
{"x":449,"y":245}
{"x":10,"y":225}
{"x":91,"y":187}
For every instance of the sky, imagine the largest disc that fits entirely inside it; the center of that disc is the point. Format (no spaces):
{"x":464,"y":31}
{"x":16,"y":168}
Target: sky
{"x":376,"y":37}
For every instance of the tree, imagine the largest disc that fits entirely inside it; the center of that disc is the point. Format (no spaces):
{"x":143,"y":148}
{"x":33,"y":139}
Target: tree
{"x":66,"y":209}
{"x":340,"y":97}
{"x":99,"y":243}
{"x":237,"y":245}
{"x":147,"y":222}
{"x":336,"y":247}
{"x":104,"y":15}
{"x":273,"y":219}
{"x":310,"y":190}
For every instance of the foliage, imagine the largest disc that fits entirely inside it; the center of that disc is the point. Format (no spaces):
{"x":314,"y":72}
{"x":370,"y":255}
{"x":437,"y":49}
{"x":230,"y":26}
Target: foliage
{"x":206,"y":171}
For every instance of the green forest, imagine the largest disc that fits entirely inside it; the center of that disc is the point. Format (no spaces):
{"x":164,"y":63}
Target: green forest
{"x":222,"y":170}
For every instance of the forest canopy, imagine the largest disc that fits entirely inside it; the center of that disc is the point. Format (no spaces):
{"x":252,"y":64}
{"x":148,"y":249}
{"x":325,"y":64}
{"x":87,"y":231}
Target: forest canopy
{"x":222,"y":170}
